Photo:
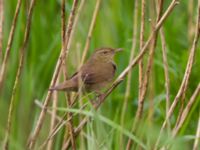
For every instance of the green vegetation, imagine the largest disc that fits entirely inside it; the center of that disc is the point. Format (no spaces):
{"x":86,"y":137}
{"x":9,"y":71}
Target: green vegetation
{"x":113,"y":28}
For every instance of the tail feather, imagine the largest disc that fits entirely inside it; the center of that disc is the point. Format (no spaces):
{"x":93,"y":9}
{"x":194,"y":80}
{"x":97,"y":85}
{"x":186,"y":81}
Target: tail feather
{"x":68,"y":85}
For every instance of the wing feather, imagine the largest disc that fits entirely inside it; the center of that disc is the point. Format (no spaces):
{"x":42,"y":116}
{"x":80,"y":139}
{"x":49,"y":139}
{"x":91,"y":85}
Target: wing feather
{"x":93,"y":75}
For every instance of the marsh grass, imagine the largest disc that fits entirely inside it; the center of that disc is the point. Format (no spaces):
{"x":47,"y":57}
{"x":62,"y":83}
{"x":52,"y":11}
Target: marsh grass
{"x":164,"y":91}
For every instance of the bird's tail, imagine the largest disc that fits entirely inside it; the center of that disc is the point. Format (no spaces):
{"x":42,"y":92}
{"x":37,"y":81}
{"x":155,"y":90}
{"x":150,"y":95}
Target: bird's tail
{"x":68,"y":85}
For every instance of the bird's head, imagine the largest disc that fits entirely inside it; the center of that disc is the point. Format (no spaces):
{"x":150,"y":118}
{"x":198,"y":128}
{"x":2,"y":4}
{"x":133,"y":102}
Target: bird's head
{"x":105,"y":54}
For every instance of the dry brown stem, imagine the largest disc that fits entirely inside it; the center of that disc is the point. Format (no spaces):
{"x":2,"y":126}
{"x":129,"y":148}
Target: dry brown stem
{"x":55,"y":94}
{"x":91,"y":28}
{"x":121,"y":77}
{"x":186,"y":77}
{"x":128,"y":84}
{"x":19,"y":71}
{"x":53,"y":119}
{"x":145,"y":80}
{"x":9,"y":44}
{"x":191,"y":25}
{"x":1,"y":28}
{"x":59,"y":125}
{"x":196,"y":141}
{"x":149,"y":66}
{"x":82,"y":3}
{"x":69,"y":125}
{"x":142,"y":29}
{"x":68,"y":96}
{"x":61,"y":58}
{"x":166,"y":72}
{"x":39,"y":104}
{"x":181,"y":93}
{"x":186,"y":110}
{"x":63,"y":24}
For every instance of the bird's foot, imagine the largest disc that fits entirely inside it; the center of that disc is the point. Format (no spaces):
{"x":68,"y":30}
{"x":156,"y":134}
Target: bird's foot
{"x":97,"y":100}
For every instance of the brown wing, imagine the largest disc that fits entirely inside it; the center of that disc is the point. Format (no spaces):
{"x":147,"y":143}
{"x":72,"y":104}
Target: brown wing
{"x":93,"y":73}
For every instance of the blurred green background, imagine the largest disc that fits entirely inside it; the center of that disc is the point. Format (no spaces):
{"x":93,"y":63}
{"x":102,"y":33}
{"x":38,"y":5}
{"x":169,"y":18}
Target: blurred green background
{"x":113,"y":28}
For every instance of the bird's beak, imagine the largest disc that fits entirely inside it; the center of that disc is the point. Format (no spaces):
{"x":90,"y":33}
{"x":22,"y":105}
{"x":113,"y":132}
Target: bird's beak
{"x":118,"y":49}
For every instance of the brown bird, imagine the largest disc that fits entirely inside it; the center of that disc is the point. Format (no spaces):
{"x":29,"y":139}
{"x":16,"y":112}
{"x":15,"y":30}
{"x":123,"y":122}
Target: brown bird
{"x":95,"y":74}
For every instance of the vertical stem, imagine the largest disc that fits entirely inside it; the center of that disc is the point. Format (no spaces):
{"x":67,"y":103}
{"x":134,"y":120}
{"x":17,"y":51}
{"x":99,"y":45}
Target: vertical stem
{"x":63,"y":24}
{"x":53,"y":119}
{"x":145,"y":80}
{"x":55,"y":94}
{"x":91,"y":28}
{"x":1,"y":28}
{"x":149,"y":66}
{"x":61,"y":58}
{"x":151,"y":96}
{"x":186,"y":110}
{"x":81,"y":103}
{"x":187,"y":74}
{"x":191,"y":27}
{"x":9,"y":44}
{"x":67,"y":95}
{"x":181,"y":93}
{"x":196,"y":141}
{"x":166,"y":72}
{"x":128,"y":84}
{"x":70,"y":127}
{"x":19,"y":71}
{"x":142,"y":29}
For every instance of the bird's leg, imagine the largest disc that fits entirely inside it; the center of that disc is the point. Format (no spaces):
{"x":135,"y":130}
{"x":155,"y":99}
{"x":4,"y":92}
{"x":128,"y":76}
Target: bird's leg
{"x":98,"y":93}
{"x":96,"y":101}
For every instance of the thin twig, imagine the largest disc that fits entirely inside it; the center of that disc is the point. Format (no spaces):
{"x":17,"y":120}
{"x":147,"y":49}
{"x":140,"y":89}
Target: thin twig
{"x":70,"y":126}
{"x":186,"y":77}
{"x":49,"y":111}
{"x":80,"y":102}
{"x":53,"y":119}
{"x":1,"y":28}
{"x":77,"y":131}
{"x":57,"y":127}
{"x":197,"y":139}
{"x":9,"y":44}
{"x":70,"y":129}
{"x":186,"y":80}
{"x":191,"y":25}
{"x":166,"y":72}
{"x":76,"y":19}
{"x":142,"y":29}
{"x":128,"y":84}
{"x":186,"y":110}
{"x":91,"y":28}
{"x":61,"y":58}
{"x":63,"y":24}
{"x":145,"y":80}
{"x":38,"y":103}
{"x":19,"y":71}
{"x":149,"y":66}
{"x":121,"y":77}
{"x":144,"y":49}
{"x":60,"y":124}
{"x":55,"y":94}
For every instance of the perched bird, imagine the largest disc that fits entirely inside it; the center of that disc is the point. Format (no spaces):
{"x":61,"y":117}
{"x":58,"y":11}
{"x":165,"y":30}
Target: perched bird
{"x":95,"y":74}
